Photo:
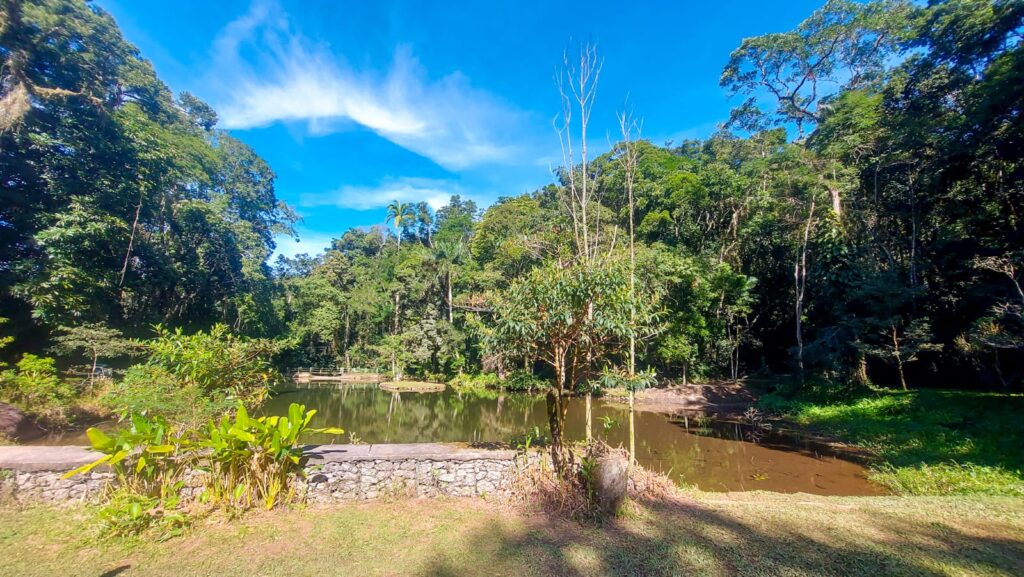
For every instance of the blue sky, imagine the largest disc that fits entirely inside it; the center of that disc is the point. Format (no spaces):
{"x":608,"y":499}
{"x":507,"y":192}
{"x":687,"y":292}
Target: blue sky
{"x":354,"y":104}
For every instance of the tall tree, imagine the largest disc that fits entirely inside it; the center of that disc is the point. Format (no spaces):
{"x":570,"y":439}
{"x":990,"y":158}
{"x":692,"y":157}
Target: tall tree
{"x":401,"y":213}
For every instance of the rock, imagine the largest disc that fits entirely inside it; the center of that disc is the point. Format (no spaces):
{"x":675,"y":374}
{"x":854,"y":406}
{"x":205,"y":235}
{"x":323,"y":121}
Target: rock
{"x":17,"y":426}
{"x":610,"y":480}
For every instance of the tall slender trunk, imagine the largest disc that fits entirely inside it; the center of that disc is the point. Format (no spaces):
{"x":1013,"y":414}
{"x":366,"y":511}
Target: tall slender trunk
{"x":627,"y":124}
{"x":131,"y":240}
{"x":800,"y":282}
{"x":92,"y":375}
{"x":451,"y":317}
{"x":590,"y":418}
{"x":899,"y":357}
{"x":632,"y":431}
{"x":348,"y":358}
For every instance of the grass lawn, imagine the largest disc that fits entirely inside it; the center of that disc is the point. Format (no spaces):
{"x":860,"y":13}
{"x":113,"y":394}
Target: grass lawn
{"x":926,"y":442}
{"x":700,"y":534}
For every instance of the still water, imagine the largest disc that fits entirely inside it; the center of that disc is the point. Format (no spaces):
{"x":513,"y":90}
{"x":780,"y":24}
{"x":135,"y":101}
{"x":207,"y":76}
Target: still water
{"x":713,"y":456}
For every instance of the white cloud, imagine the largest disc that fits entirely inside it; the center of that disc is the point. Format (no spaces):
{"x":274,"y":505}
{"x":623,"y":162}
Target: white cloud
{"x":270,"y":73}
{"x":311,"y":243}
{"x":436,"y":193}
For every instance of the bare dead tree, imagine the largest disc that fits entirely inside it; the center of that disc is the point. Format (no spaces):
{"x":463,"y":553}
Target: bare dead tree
{"x":628,"y":157}
{"x":577,"y":86}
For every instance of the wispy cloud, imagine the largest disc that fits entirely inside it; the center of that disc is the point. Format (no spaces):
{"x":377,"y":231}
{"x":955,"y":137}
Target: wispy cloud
{"x":271,"y":73}
{"x":434,"y":192}
{"x":308,"y":242}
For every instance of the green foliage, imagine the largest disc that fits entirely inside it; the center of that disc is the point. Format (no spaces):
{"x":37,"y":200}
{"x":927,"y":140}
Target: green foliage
{"x":154,"y":389}
{"x":926,"y":442}
{"x":523,"y":381}
{"x":892,"y":221}
{"x":126,"y":513}
{"x":530,"y":439}
{"x":143,"y":455}
{"x":94,"y":339}
{"x":214,"y":361}
{"x":155,"y":215}
{"x":796,"y":67}
{"x":568,"y":317}
{"x":253,"y":460}
{"x":34,"y":386}
{"x":475,"y":382}
{"x":618,"y":379}
{"x":246,"y":461}
{"x":148,"y":462}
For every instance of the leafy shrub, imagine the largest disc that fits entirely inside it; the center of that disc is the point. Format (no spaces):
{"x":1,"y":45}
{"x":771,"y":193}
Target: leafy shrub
{"x":253,"y":460}
{"x":126,"y":513}
{"x":215,"y":361}
{"x":148,"y":465}
{"x":615,"y":379}
{"x":154,"y":389}
{"x":524,"y":381}
{"x":247,"y":461}
{"x":466,"y":382}
{"x":35,"y":387}
{"x":145,"y":456}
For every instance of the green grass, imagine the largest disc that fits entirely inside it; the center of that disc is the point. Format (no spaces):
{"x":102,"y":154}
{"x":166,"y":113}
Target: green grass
{"x":706,"y":534}
{"x":926,"y":442}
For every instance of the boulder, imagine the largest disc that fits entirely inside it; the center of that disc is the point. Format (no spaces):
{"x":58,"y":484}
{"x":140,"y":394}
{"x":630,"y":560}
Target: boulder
{"x":17,"y":426}
{"x":610,"y":480}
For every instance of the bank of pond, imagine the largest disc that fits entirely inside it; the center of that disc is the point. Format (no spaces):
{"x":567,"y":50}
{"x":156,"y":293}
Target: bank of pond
{"x":694,"y":449}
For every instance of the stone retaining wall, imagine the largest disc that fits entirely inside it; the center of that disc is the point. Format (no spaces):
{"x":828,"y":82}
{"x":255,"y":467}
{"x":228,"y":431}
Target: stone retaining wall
{"x":333,"y":472}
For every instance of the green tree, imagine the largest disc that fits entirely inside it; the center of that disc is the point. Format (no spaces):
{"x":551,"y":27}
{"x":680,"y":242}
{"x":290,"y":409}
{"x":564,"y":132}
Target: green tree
{"x":96,"y":340}
{"x":571,"y":318}
{"x":401,"y":213}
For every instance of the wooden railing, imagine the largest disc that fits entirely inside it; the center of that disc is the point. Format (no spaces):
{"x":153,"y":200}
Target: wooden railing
{"x":330,"y":371}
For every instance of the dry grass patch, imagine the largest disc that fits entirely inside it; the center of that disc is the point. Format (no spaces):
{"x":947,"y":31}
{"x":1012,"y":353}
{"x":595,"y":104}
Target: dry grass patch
{"x":693,"y":534}
{"x":412,"y":387}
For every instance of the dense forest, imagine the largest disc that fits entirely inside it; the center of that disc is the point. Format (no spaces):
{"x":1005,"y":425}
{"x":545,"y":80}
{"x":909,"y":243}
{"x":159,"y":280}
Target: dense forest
{"x":858,"y":219}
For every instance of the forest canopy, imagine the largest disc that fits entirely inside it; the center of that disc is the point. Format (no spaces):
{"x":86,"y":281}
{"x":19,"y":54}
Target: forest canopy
{"x":857,"y":219}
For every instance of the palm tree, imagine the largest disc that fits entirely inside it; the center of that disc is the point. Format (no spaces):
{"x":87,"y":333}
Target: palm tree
{"x":449,"y":254}
{"x":399,"y":212}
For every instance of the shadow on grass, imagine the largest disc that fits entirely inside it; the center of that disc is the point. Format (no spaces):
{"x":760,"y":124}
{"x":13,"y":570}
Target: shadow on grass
{"x":908,"y":428}
{"x":688,"y":538}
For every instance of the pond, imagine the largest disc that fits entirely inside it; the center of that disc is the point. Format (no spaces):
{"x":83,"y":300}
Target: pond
{"x":711,"y":455}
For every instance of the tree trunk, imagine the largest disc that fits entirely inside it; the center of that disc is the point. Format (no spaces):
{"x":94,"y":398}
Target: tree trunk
{"x":632,"y":432}
{"x":590,"y":418}
{"x":451,"y":317}
{"x":348,"y":359}
{"x":554,"y":406}
{"x":800,"y":285}
{"x":860,"y":369}
{"x":899,"y":357}
{"x":398,"y":309}
{"x":92,"y":375}
{"x":556,"y":417}
{"x":131,"y":241}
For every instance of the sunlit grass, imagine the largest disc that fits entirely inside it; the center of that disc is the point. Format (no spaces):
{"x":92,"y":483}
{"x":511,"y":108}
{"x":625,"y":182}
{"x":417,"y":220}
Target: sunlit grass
{"x":703,"y":534}
{"x":927,"y":442}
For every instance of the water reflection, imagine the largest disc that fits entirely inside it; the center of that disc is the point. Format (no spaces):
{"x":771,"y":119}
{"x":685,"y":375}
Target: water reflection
{"x":712,"y":456}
